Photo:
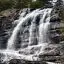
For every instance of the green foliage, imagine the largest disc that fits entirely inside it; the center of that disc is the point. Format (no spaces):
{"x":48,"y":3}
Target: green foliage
{"x":5,"y":4}
{"x":22,"y":3}
{"x":37,"y":4}
{"x":19,"y":4}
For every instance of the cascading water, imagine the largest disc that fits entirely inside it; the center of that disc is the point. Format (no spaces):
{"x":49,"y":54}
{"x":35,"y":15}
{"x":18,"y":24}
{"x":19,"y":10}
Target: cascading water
{"x":33,"y":34}
{"x":53,"y":2}
{"x":37,"y":40}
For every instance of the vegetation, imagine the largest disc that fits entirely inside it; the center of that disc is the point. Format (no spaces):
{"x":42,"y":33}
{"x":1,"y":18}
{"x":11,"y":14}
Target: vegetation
{"x":7,"y":4}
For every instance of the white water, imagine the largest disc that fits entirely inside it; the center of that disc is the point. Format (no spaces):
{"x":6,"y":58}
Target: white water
{"x":13,"y":37}
{"x":43,"y":28}
{"x":36,"y":32}
{"x":63,"y":2}
{"x":53,"y":2}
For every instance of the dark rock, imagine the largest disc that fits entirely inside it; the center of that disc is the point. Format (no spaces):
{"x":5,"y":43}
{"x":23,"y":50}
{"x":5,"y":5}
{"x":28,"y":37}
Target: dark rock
{"x":55,"y":31}
{"x":6,"y":19}
{"x":32,"y":9}
{"x":55,"y":18}
{"x":55,"y":37}
{"x":51,"y":50}
{"x":48,"y":5}
{"x":20,"y":61}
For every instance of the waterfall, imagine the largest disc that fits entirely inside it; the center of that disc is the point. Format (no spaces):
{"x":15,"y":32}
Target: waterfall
{"x":32,"y":31}
{"x":37,"y":35}
{"x":43,"y":28}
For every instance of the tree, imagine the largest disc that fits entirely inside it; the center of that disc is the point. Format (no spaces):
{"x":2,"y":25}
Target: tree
{"x":5,"y":4}
{"x":22,"y":3}
{"x":19,"y":4}
{"x":38,"y":3}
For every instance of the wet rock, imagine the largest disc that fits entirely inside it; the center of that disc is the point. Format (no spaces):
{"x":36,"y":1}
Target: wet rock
{"x":1,"y":58}
{"x":6,"y":19}
{"x":55,"y":37}
{"x":55,"y":18}
{"x":62,"y":42}
{"x":20,"y":61}
{"x":51,"y":50}
{"x":61,"y":49}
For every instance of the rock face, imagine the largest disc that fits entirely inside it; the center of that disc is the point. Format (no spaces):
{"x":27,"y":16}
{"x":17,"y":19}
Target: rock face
{"x":6,"y":19}
{"x":57,"y":24}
